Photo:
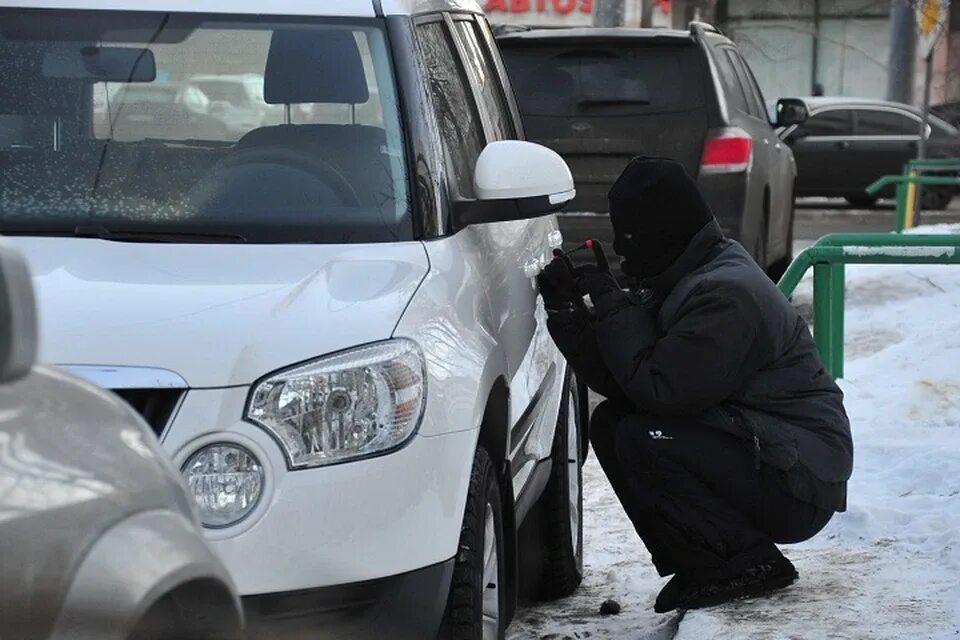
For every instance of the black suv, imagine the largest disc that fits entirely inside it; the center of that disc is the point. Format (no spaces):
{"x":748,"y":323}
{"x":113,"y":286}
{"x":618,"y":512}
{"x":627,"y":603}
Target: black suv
{"x":601,"y":96}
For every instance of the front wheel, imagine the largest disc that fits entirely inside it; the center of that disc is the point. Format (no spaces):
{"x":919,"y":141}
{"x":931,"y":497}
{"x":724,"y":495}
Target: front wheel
{"x":563,"y":503}
{"x":476,"y":605}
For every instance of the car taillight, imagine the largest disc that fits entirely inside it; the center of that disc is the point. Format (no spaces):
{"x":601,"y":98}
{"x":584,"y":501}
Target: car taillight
{"x":727,"y":151}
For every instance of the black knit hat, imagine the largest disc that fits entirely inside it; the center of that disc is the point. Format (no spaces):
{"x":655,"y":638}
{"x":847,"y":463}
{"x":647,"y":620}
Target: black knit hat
{"x":655,"y":208}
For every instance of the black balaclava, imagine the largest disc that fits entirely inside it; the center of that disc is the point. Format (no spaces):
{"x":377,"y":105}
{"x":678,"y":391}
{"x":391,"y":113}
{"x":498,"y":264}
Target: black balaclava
{"x":655,"y":208}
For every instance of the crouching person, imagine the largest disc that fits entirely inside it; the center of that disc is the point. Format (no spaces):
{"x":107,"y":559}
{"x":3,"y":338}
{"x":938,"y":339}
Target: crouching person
{"x":722,"y":434}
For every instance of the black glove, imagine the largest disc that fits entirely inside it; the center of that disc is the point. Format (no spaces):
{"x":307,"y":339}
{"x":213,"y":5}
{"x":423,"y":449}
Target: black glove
{"x":595,"y":281}
{"x":557,"y":285}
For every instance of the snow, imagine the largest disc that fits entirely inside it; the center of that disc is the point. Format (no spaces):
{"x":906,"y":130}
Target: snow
{"x":887,"y":568}
{"x":913,"y":252}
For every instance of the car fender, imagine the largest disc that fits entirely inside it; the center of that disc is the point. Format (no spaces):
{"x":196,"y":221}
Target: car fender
{"x":131,"y":566}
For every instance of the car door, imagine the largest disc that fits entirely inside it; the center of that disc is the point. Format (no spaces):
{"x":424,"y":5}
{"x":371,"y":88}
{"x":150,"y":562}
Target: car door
{"x":744,"y":114}
{"x":821,"y":147}
{"x":534,"y":366}
{"x":780,"y":167}
{"x":886,"y":138}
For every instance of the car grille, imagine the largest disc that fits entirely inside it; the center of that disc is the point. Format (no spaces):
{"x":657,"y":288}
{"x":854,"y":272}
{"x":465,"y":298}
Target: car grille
{"x":156,"y":406}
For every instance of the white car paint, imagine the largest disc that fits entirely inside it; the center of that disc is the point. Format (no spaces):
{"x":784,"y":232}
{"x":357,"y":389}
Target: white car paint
{"x":173,"y":306}
{"x":220,"y":317}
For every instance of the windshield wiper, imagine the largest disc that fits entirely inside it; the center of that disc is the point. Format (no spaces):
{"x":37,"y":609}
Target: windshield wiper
{"x":125,"y":235}
{"x":144,"y":235}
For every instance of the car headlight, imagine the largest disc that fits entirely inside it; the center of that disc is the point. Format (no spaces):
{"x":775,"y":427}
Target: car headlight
{"x":226,"y":481}
{"x":350,"y":405}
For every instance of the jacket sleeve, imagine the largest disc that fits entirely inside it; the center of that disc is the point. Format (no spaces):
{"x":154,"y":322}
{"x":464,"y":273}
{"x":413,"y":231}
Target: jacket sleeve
{"x":702,"y":359}
{"x":574,"y":334}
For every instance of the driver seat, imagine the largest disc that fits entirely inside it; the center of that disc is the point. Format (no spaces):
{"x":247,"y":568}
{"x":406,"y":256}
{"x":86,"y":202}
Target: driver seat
{"x":306,"y":66}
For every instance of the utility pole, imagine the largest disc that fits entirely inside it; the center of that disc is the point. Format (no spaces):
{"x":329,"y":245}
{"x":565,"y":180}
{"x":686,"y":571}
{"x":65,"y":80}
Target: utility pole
{"x":903,"y":52}
{"x":608,"y":13}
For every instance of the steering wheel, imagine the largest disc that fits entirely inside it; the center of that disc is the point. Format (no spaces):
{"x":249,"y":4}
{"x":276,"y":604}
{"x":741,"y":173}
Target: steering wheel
{"x":287,"y":158}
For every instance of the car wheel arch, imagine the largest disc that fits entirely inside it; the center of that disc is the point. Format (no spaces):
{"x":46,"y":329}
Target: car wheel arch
{"x":178,"y":556}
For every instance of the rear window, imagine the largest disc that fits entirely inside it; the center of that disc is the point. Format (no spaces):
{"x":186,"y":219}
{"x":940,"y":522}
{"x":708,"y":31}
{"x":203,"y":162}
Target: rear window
{"x":600,"y":80}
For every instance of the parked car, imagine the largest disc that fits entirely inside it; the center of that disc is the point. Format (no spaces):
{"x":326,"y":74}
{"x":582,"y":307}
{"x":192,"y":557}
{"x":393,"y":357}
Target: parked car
{"x":847,"y":143}
{"x":333,"y":329}
{"x":237,"y":101}
{"x":601,"y":96}
{"x":98,"y":536}
{"x":164,"y":110}
{"x":948,"y":111}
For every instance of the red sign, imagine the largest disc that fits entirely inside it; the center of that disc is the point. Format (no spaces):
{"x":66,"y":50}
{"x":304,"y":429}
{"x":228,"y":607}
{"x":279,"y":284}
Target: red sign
{"x":539,"y":6}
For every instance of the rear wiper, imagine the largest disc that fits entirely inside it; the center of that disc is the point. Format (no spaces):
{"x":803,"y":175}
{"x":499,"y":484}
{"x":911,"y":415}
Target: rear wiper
{"x":142,"y":235}
{"x":607,"y":102}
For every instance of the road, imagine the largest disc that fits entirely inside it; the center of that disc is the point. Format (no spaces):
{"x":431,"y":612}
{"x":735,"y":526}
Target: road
{"x":818,"y":216}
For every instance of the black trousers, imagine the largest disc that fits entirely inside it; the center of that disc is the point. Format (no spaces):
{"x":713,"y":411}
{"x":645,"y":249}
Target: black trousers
{"x":696,"y":495}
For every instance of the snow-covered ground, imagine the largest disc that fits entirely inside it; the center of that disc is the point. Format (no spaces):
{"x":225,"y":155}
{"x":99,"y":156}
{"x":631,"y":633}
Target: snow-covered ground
{"x":887,"y":568}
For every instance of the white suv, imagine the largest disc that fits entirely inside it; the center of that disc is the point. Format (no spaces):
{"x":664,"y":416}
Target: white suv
{"x":333,"y":327}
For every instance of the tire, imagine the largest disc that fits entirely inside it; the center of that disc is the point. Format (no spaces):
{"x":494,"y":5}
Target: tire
{"x":562,"y":502}
{"x":163,"y":621}
{"x":477,"y":601}
{"x":863,"y":201}
{"x":933,"y":199}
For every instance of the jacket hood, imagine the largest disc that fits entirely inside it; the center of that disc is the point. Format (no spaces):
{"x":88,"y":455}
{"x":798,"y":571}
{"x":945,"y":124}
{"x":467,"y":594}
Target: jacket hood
{"x":217,"y":315}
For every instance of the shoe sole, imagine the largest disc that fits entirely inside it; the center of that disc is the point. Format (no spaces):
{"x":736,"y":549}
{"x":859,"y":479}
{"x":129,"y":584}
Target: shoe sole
{"x":743,"y":593}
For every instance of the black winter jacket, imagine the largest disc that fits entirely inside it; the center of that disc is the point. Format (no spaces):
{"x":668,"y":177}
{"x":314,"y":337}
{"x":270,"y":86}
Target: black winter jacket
{"x":721,"y":344}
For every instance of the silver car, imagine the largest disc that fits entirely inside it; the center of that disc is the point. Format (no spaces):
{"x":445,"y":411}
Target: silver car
{"x":98,"y":538}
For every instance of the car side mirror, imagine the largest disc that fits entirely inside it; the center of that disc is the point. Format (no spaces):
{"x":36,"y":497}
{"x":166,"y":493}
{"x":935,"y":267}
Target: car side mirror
{"x":515,"y":180}
{"x":18,"y":317}
{"x":791,"y":111}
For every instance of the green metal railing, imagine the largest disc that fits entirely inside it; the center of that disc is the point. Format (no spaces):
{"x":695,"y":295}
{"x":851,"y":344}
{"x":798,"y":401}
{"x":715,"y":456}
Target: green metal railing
{"x":828,"y":258}
{"x":911,"y":177}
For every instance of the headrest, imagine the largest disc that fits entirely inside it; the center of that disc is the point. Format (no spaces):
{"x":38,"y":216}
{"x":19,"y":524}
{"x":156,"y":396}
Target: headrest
{"x":313,"y":65}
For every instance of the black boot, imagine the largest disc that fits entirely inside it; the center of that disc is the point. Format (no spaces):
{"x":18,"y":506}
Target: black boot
{"x":687,"y":591}
{"x":758,"y":580}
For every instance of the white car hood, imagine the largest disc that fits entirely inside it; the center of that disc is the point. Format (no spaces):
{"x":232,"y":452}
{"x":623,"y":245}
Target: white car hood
{"x":217,"y":315}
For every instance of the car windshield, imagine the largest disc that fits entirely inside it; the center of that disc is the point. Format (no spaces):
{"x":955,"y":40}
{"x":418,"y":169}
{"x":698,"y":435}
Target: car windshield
{"x":205,"y":126}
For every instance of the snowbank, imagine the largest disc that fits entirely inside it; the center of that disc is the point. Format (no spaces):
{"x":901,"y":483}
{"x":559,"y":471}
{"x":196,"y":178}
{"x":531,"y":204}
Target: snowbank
{"x":887,"y":568}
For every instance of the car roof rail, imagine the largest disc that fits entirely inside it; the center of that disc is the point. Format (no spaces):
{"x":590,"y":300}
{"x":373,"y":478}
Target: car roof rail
{"x":698,"y":29}
{"x":503,"y":29}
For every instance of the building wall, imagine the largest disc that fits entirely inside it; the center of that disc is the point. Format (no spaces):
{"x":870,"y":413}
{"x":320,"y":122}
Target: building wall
{"x":779,"y":38}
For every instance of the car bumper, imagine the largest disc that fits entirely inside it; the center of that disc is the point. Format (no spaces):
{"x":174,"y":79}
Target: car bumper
{"x":402,"y":607}
{"x":726,"y":194}
{"x":341,"y":524}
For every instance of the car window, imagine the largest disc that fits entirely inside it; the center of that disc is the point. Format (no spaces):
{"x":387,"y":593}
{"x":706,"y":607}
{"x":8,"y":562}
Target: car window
{"x":835,"y":122}
{"x":492,"y":101}
{"x":732,"y":90}
{"x":941,"y":128}
{"x":159,"y":145}
{"x":876,"y":122}
{"x":581,"y":81}
{"x":457,"y":113}
{"x":749,"y":84}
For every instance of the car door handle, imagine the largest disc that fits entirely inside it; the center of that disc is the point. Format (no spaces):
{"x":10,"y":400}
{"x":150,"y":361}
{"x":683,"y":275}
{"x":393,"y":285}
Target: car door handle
{"x":842,"y":144}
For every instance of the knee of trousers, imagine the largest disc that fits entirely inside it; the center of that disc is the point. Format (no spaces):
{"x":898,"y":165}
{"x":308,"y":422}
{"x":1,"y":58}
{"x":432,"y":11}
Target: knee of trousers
{"x":604,"y":421}
{"x":634,"y":439}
